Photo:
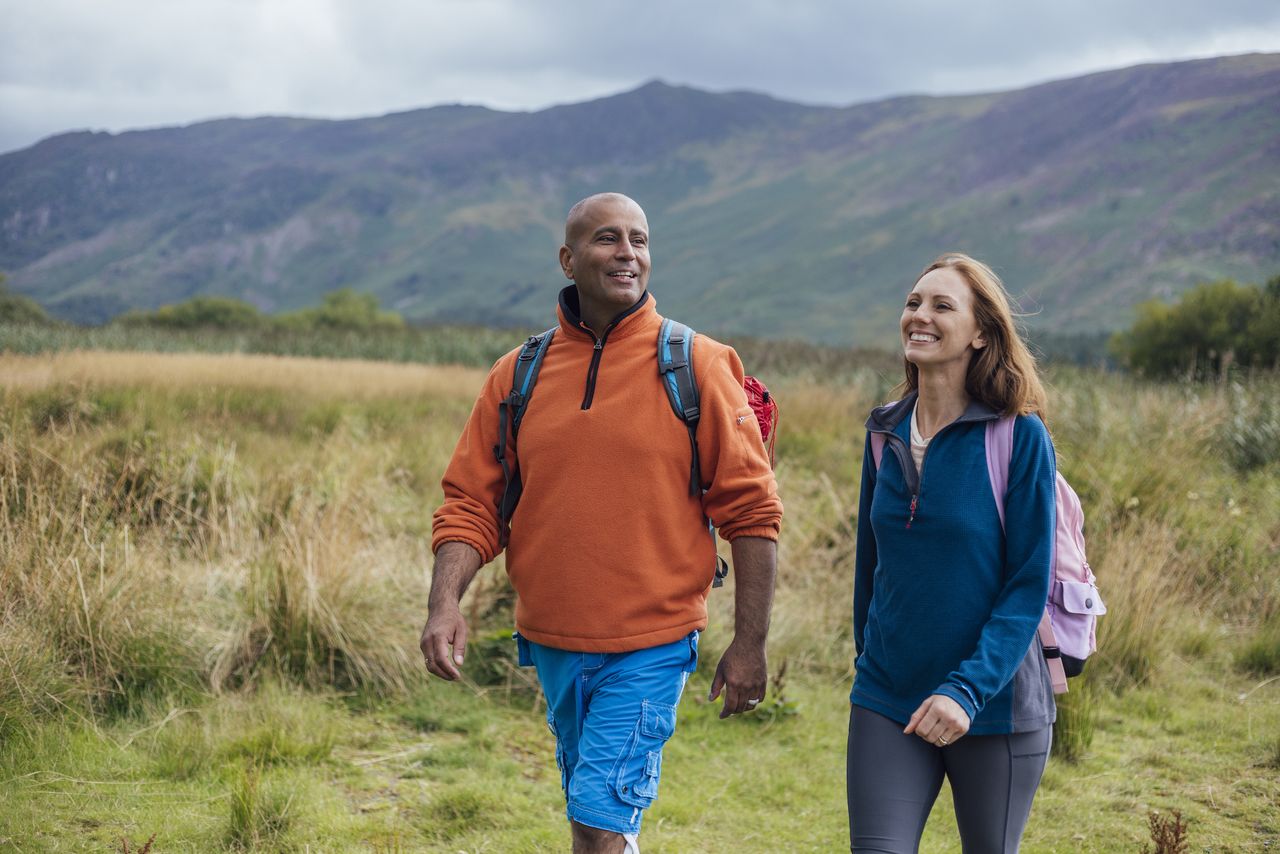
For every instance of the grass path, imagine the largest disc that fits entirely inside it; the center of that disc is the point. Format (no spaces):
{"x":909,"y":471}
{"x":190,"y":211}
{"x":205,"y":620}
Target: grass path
{"x":450,"y":769}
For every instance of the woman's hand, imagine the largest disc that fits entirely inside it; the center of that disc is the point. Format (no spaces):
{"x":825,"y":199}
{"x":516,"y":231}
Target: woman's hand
{"x":940,"y":720}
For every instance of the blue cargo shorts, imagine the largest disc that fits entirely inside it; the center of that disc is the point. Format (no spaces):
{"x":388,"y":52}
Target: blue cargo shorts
{"x":611,"y":714}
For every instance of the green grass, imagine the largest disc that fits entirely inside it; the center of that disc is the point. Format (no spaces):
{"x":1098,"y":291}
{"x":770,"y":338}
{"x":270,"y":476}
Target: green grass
{"x":480,"y":775}
{"x":214,"y":578}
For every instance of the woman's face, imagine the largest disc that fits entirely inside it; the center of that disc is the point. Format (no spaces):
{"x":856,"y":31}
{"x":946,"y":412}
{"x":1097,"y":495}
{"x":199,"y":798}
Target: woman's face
{"x":938,"y":324}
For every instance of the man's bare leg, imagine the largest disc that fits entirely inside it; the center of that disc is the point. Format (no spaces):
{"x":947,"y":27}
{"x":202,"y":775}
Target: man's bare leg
{"x":593,"y":840}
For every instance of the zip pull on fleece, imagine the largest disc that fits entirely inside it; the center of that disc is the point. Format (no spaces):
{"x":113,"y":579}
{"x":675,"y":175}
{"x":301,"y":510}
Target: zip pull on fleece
{"x":594,"y":369}
{"x":915,"y":500}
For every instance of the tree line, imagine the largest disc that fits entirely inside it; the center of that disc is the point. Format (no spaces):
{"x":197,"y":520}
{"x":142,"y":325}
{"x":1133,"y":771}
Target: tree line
{"x":1214,"y":329}
{"x":344,"y":310}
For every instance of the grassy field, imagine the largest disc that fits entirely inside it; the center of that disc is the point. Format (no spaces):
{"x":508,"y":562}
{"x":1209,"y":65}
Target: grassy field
{"x":213,"y":573}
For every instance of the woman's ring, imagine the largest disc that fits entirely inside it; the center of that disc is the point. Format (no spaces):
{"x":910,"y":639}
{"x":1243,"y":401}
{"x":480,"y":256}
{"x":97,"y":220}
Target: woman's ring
{"x":943,"y":741}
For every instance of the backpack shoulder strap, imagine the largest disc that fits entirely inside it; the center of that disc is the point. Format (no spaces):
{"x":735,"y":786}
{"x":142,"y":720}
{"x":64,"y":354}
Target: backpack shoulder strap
{"x":675,"y":364}
{"x":525,"y":375}
{"x":510,"y":415}
{"x":999,"y":440}
{"x":877,"y":448}
{"x":999,"y":453}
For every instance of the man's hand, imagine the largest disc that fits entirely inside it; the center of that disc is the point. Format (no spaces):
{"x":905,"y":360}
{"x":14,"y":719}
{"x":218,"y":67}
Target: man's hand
{"x":444,"y":640}
{"x":940,"y":720}
{"x":446,"y":628}
{"x":743,"y":675}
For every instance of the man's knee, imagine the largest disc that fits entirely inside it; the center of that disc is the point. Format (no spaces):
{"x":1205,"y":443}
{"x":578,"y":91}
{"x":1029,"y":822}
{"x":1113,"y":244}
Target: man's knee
{"x":593,"y":840}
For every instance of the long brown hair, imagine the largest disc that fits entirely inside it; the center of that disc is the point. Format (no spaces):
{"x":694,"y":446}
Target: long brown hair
{"x":1002,"y":374}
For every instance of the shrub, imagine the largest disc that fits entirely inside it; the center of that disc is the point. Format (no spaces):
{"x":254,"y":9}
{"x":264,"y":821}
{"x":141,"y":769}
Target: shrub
{"x":199,"y":313}
{"x":344,"y":310}
{"x":1213,"y":327}
{"x":21,"y":310}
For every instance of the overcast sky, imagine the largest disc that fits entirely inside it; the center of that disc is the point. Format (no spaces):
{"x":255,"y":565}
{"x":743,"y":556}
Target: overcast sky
{"x":119,"y":64}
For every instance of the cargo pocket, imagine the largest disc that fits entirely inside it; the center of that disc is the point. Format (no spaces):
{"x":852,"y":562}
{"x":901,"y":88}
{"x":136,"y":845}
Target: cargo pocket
{"x":635,"y":775}
{"x":560,"y":762}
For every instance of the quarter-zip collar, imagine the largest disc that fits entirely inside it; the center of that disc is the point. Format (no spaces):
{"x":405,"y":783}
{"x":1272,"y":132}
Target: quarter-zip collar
{"x":624,"y":324}
{"x":889,"y":418}
{"x":627,"y":323}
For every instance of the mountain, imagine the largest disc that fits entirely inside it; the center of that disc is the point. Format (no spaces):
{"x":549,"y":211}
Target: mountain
{"x":771,"y":218}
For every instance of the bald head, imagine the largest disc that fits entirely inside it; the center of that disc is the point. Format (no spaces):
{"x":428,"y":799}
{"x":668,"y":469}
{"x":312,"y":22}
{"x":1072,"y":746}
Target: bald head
{"x":606,"y":256}
{"x":582,"y":215}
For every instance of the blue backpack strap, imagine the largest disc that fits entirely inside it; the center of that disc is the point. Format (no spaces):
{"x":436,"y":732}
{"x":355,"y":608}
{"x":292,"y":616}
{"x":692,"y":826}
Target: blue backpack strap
{"x":675,"y":365}
{"x":510,"y":415}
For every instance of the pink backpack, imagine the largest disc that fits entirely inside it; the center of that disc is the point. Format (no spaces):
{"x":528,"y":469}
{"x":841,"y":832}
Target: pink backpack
{"x":1068,"y":630}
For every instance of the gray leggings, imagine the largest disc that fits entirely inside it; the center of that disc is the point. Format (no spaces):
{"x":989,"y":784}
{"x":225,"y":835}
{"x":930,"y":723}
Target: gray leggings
{"x":893,"y":780}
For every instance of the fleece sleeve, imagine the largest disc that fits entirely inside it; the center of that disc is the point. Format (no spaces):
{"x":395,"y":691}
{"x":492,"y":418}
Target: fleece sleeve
{"x":741,"y":497}
{"x":473,"y":480}
{"x":865,"y":556}
{"x":1029,"y":508}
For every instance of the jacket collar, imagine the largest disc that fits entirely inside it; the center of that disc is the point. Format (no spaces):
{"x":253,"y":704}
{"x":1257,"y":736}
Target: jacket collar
{"x":624,"y":324}
{"x":887,"y":418}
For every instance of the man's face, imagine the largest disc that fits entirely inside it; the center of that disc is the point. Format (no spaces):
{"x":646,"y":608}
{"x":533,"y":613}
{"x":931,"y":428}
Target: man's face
{"x":607,"y":254}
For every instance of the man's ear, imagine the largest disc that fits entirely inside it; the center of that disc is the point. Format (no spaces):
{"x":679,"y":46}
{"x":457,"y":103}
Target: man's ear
{"x":566,"y":261}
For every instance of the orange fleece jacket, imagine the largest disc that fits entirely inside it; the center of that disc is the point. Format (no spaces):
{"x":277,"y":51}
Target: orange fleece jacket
{"x":608,"y":551}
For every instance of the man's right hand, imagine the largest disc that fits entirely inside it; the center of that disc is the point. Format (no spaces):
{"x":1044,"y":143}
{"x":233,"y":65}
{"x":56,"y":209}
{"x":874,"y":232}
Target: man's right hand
{"x":444,"y":642}
{"x":456,"y":564}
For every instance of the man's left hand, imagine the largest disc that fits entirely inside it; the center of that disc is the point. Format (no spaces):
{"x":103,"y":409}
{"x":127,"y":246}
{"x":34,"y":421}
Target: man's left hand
{"x":743,"y":675}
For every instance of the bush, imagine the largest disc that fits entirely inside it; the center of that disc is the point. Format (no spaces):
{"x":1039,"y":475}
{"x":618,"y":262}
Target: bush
{"x":1216,"y":326}
{"x":344,"y":310}
{"x":20,"y":310}
{"x":199,"y":313}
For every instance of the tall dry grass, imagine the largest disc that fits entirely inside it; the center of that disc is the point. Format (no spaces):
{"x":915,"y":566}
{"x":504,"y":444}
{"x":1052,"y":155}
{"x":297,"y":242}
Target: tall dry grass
{"x":167,"y":526}
{"x":183,"y":524}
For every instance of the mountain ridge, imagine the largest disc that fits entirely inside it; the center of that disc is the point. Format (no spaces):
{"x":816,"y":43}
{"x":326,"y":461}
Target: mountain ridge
{"x":769,"y":217}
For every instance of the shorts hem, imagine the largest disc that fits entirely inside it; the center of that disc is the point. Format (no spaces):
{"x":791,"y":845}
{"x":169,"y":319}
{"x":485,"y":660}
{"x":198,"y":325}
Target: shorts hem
{"x":602,"y":820}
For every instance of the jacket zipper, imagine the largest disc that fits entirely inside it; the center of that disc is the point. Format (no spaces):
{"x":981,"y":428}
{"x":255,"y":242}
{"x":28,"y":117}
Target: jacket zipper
{"x":592,"y":371}
{"x":896,"y":441}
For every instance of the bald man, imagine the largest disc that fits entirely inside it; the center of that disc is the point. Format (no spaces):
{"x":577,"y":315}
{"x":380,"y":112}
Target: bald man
{"x":608,"y":549}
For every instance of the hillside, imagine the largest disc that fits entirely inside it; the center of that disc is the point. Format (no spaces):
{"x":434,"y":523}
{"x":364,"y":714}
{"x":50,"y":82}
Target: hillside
{"x":768,"y":218}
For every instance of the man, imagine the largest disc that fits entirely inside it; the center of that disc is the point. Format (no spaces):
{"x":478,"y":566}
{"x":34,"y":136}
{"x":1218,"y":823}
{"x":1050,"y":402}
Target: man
{"x":609,"y":551}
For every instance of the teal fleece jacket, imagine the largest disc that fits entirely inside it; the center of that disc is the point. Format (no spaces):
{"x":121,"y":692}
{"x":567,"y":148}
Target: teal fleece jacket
{"x":945,"y":602}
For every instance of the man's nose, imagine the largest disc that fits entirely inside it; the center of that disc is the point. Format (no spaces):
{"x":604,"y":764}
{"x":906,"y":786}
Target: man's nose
{"x":624,"y":249}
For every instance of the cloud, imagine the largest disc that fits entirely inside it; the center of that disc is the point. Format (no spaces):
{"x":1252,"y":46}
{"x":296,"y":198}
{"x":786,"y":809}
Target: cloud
{"x":83,"y":63}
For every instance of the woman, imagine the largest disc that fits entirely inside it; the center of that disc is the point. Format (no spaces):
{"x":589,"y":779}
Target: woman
{"x":951,"y":679}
